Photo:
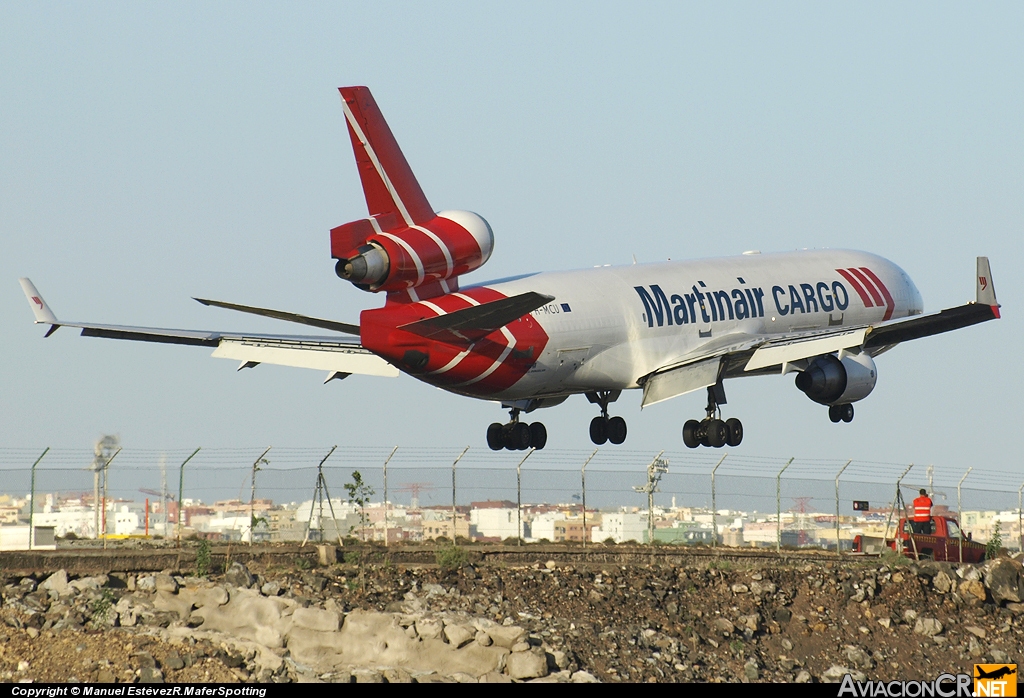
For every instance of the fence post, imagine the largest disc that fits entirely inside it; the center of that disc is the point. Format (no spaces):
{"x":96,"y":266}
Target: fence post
{"x":959,"y":513}
{"x":388,"y":460}
{"x":454,"y":519}
{"x":181,"y":490}
{"x":1020,"y":533}
{"x":32,"y":503}
{"x":519,"y":498}
{"x":104,"y":512}
{"x":252,"y":494}
{"x":778,"y":507}
{"x":714,"y":505}
{"x":583,"y":478}
{"x":838,"y":551}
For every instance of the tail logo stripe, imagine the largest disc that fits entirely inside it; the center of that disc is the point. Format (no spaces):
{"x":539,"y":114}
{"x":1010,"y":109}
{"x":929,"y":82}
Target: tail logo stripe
{"x":376,"y":162}
{"x":412,"y":253}
{"x":444,"y":248}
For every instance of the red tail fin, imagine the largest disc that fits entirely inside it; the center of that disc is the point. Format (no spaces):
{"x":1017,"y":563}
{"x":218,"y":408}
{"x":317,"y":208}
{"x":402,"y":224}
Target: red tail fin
{"x":388,"y":181}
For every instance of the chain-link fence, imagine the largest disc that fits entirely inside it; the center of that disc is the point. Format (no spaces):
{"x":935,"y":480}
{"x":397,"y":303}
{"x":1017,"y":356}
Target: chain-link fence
{"x":762,"y":496}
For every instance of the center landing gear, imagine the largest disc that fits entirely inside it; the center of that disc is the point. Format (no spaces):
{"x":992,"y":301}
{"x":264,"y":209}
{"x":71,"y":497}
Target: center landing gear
{"x":712,"y":431}
{"x":516,"y":435}
{"x":840,"y":413}
{"x":605,"y":428}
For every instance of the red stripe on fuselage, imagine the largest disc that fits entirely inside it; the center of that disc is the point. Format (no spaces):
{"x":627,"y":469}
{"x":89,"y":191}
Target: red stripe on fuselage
{"x":380,"y":333}
{"x":857,"y":287}
{"x":875,"y":295}
{"x":890,"y":305}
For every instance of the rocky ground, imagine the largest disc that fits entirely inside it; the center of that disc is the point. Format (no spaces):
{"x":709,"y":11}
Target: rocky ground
{"x":812,"y":621}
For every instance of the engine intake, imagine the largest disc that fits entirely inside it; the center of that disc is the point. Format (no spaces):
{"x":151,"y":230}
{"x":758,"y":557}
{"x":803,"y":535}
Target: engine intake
{"x":831,"y":381}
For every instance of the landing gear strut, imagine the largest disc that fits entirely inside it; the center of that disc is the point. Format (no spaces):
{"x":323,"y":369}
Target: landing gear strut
{"x":840,"y":413}
{"x":712,"y":431}
{"x":605,"y":428}
{"x":516,"y":435}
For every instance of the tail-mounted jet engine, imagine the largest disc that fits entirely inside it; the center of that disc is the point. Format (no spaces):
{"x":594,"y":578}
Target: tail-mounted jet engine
{"x":377,"y":254}
{"x":836,"y":382}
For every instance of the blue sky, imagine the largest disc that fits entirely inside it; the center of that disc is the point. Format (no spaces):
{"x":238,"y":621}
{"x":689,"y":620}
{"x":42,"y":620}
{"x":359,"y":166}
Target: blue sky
{"x":151,"y":153}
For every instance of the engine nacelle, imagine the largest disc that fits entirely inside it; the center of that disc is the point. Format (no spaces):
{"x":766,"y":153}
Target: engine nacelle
{"x":831,"y":381}
{"x":377,"y":254}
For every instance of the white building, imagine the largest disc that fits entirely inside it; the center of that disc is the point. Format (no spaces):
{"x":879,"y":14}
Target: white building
{"x":622,"y":527}
{"x":497,"y":523}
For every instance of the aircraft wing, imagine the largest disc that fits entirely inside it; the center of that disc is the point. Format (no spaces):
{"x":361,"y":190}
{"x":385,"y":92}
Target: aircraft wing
{"x":784,"y":353}
{"x":340,"y":357}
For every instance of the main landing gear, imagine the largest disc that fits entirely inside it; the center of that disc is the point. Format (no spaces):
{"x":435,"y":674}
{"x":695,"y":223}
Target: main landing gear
{"x":712,"y":431}
{"x":516,"y":435}
{"x":604,"y":428}
{"x":840,"y":413}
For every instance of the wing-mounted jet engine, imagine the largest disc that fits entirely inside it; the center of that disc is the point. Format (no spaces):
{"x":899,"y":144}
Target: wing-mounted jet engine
{"x":404,"y":246}
{"x":838,"y":382}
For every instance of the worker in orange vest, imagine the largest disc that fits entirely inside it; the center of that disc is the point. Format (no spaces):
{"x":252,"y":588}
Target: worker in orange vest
{"x":922,"y":513}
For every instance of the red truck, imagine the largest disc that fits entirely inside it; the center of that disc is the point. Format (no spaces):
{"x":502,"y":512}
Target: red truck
{"x":946,"y":542}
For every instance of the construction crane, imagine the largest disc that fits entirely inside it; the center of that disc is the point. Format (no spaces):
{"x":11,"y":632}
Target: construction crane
{"x":415,"y":488}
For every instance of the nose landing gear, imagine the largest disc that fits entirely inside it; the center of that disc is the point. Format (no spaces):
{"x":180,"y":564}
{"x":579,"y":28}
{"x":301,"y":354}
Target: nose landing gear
{"x":516,"y":435}
{"x":604,"y":428}
{"x":712,"y":430}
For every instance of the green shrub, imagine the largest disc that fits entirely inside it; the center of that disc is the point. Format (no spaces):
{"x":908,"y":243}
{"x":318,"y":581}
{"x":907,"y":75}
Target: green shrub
{"x":203,"y":558}
{"x":451,"y":558}
{"x":994,"y":545}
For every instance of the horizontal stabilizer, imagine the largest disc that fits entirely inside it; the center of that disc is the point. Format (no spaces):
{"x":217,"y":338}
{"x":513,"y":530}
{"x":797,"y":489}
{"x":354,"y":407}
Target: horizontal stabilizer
{"x":478,"y":321}
{"x":286,"y":316}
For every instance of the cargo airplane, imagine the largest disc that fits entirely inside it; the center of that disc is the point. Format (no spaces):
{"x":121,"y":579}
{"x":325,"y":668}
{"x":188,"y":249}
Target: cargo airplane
{"x":531,"y":341}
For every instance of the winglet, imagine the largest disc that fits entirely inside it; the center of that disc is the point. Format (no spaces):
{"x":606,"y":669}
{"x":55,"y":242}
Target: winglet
{"x":986,"y":290}
{"x":39,"y":307}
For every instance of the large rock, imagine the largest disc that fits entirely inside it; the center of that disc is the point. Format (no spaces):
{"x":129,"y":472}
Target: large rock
{"x":835,"y":674}
{"x":316,"y":619}
{"x":238,"y":575}
{"x":531,"y":664}
{"x":458,"y":635}
{"x":165,"y":582}
{"x":972,"y":592}
{"x":942,"y":583}
{"x":929,"y":627}
{"x":1004,"y":579}
{"x":57,"y":583}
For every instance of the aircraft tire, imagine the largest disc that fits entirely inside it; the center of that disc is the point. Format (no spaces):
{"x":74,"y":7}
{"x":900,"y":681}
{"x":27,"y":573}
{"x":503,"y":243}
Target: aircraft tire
{"x":717,"y":433}
{"x":538,"y":435}
{"x":847,"y":413}
{"x":690,"y":438}
{"x":494,"y":438}
{"x":734,"y":432}
{"x":522,"y":436}
{"x":616,"y":430}
{"x":599,"y":430}
{"x":835,"y":413}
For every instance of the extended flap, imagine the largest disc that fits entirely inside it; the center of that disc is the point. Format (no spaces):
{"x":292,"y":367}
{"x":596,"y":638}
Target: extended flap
{"x":681,"y":380}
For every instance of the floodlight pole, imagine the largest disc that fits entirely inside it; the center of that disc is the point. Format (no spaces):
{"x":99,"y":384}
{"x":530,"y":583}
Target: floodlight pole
{"x":181,"y":489}
{"x":32,"y":503}
{"x":778,"y":507}
{"x":837,"y":502}
{"x":714,"y":504}
{"x":959,"y":513}
{"x":583,"y":482}
{"x":386,"y":495}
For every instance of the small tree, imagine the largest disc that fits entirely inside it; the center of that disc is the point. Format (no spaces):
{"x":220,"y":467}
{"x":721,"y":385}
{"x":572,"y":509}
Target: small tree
{"x":359,"y":493}
{"x":995,"y":544}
